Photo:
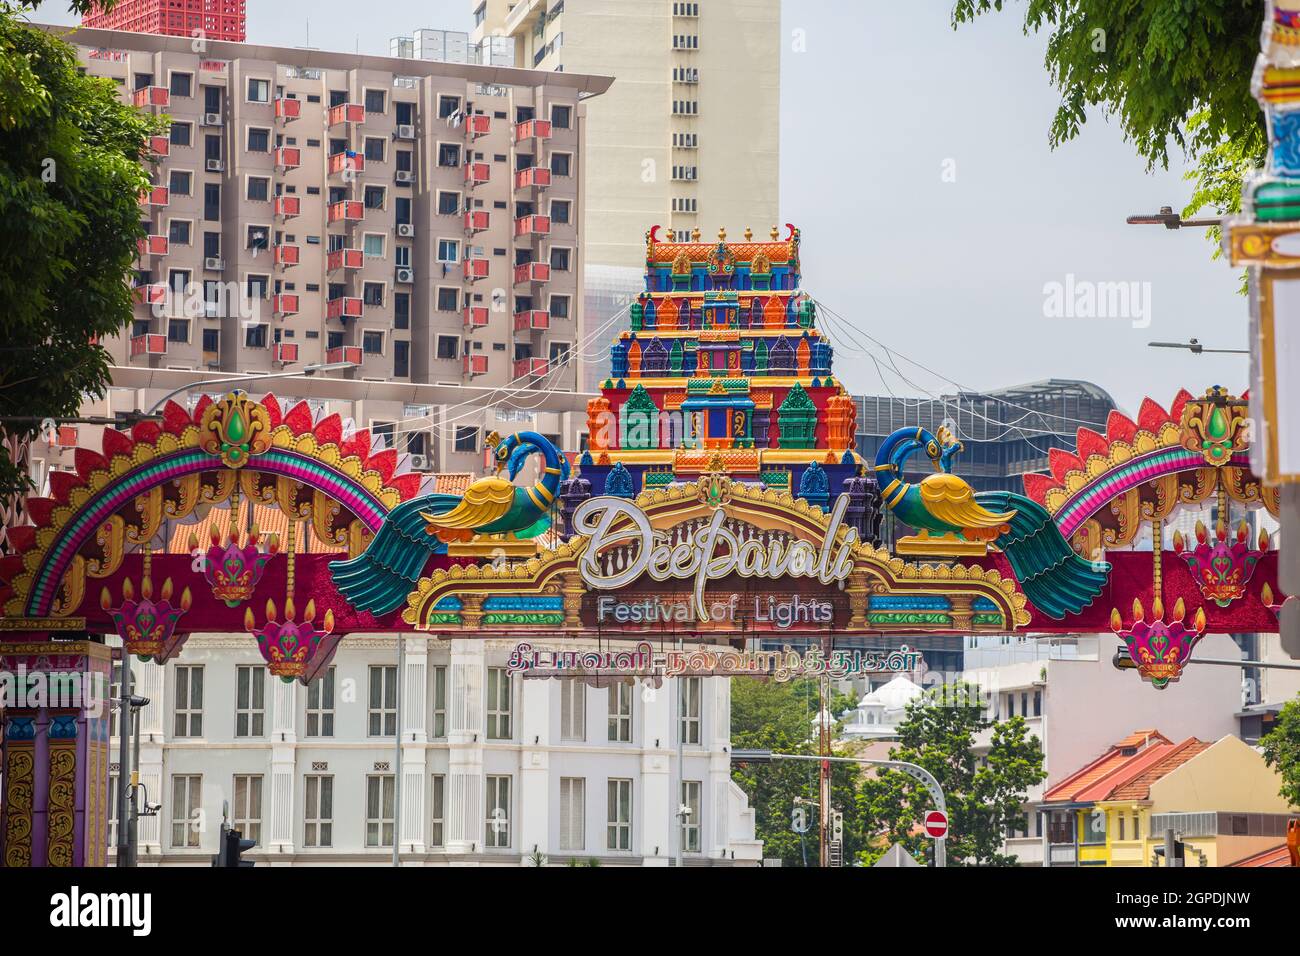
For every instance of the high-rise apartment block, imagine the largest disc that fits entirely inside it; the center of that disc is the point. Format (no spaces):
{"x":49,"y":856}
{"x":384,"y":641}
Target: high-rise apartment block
{"x":688,"y":136}
{"x":212,"y":19}
{"x":418,"y":220}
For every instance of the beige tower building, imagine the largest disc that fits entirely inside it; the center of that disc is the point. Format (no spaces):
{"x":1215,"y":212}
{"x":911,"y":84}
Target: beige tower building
{"x":688,"y":134}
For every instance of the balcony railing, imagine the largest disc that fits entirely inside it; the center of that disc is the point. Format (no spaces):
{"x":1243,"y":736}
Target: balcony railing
{"x":152,"y":96}
{"x":345,"y":259}
{"x":476,"y":364}
{"x":156,"y":196}
{"x":344,"y":353}
{"x":535,"y":319}
{"x":532,"y":176}
{"x":288,"y":157}
{"x":160,"y":145}
{"x":286,"y":255}
{"x":348,"y":307}
{"x":150,"y":344}
{"x":532,"y":129}
{"x":286,"y":352}
{"x":532,"y":272}
{"x":478,"y":125}
{"x":284,"y":304}
{"x":533,"y":226}
{"x":476,"y":220}
{"x":530,"y":366}
{"x":346,"y":113}
{"x":341,"y":162}
{"x":287,"y":109}
{"x":286,"y":207}
{"x":476,"y":269}
{"x":475,"y":316}
{"x":350,"y":210}
{"x":477,"y":173}
{"x":153,"y":246}
{"x":152,"y":293}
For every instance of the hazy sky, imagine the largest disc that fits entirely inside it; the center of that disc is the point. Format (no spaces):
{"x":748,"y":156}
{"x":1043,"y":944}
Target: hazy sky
{"x":915,"y":161}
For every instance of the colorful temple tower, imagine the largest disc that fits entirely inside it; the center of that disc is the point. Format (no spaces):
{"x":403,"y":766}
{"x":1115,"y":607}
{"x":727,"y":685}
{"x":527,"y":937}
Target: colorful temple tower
{"x":722,"y":369}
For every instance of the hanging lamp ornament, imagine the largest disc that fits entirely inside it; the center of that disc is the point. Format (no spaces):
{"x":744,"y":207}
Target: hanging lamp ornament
{"x":233,"y":570}
{"x":1222,"y":567}
{"x":145,"y":625}
{"x":287,"y":646}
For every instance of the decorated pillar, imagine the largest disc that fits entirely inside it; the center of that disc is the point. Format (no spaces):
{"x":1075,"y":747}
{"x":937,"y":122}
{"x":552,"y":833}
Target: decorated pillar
{"x":54,"y":759}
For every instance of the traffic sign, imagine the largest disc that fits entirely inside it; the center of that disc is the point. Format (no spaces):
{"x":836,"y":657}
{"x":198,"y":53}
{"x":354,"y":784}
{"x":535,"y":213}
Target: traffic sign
{"x":936,"y":824}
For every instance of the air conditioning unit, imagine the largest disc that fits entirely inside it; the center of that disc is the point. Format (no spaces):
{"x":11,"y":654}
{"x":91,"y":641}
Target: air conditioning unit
{"x":419,"y":462}
{"x":212,"y":119}
{"x":215,"y":166}
{"x":214,"y":263}
{"x":406,"y":230}
{"x":406,"y":276}
{"x":405,"y":176}
{"x":405,"y":131}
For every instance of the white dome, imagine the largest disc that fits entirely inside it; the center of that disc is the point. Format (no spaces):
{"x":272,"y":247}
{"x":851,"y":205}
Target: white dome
{"x":895,"y":695}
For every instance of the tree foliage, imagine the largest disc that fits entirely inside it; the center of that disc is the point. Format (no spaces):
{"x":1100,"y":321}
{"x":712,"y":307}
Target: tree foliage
{"x":1176,"y":76}
{"x":1282,"y":750}
{"x":73,"y":163}
{"x":984,"y":798}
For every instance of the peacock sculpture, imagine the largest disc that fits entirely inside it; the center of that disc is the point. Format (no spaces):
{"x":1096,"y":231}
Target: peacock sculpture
{"x":492,"y":517}
{"x":953,"y":519}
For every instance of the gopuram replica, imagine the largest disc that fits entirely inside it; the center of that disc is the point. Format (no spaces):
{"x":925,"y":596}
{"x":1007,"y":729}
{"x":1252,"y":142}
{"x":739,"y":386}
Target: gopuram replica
{"x":721,"y":501}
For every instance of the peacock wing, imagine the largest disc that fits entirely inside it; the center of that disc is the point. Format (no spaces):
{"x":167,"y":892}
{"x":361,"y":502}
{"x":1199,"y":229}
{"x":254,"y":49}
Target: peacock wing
{"x":484,"y":502}
{"x":379,"y":578}
{"x":951,"y":500}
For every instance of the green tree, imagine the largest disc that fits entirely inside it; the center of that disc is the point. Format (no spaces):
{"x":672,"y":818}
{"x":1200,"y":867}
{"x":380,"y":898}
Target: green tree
{"x":767,"y":715}
{"x":1282,"y":750}
{"x":1176,"y":76}
{"x":73,"y":162}
{"x":984,"y":800}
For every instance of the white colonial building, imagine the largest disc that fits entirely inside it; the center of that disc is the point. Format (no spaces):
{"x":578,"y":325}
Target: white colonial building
{"x":495,"y":769}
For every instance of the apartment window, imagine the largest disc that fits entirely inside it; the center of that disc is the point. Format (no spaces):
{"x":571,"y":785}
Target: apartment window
{"x":259,"y":91}
{"x":448,"y":250}
{"x":686,"y":41}
{"x":212,"y":244}
{"x":256,"y":286}
{"x":684,"y":204}
{"x":401,"y":310}
{"x":560,"y":260}
{"x":1094,"y":827}
{"x":448,"y":347}
{"x":250,"y":701}
{"x":448,"y":300}
{"x":372,"y":293}
{"x":211,"y":340}
{"x":618,"y":829}
{"x":178,"y":231}
{"x":178,"y":330}
{"x":189,"y":701}
{"x":686,"y":140}
{"x":187,"y":820}
{"x":686,"y":173}
{"x":561,"y":116}
{"x":318,"y":813}
{"x":688,"y":707}
{"x":320,"y":705}
{"x":561,"y":163}
{"x":438,"y":802}
{"x":686,"y":107}
{"x":620,"y":712}
{"x":259,"y":139}
{"x":212,"y":99}
{"x":373,"y":245}
{"x":559,"y":306}
{"x":181,"y":133}
{"x":383,"y":702}
{"x":404,"y":113}
{"x":447,"y":105}
{"x":691,"y":818}
{"x":404,"y":162}
{"x":376,"y":101}
{"x":255,"y":336}
{"x":498,"y":811}
{"x":212,"y":201}
{"x":573,"y":710}
{"x":1038,"y":703}
{"x":374,"y":149}
{"x":259,"y":189}
{"x":374,"y":197}
{"x":401,"y":358}
{"x":466,"y":438}
{"x":573,"y":806}
{"x":560,"y":211}
{"x":440,"y":701}
{"x":380,"y":790}
{"x":499,"y":689}
{"x":114,"y":695}
{"x":448,"y":154}
{"x":448,"y":203}
{"x":180,"y":182}
{"x":558,"y":353}
{"x":372,"y":343}
{"x":247,"y":811}
{"x":182,"y":84}
{"x":402,"y":211}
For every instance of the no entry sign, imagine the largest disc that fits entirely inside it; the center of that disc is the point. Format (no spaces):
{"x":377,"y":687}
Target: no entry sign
{"x":936,"y":824}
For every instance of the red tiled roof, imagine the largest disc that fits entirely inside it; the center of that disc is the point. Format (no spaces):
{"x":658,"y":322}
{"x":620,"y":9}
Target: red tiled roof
{"x":1139,"y":786}
{"x":1107,"y":770}
{"x":1277,"y":856}
{"x":451,"y":483}
{"x":268,"y":518}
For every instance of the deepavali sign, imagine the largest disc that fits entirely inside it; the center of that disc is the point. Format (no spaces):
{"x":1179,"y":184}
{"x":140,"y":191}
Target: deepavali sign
{"x":709,"y":554}
{"x":643,"y":662}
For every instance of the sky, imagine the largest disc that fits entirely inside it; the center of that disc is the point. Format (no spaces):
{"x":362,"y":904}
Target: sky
{"x":934,"y":215}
